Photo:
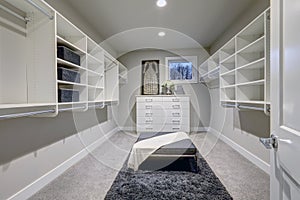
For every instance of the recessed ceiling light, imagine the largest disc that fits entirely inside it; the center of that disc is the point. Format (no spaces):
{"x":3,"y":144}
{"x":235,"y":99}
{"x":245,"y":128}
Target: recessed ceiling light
{"x":161,"y":3}
{"x":161,"y":34}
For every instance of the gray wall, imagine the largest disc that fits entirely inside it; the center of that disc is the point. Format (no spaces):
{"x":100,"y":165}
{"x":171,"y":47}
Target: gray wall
{"x":251,"y":13}
{"x":242,"y":127}
{"x":200,"y":101}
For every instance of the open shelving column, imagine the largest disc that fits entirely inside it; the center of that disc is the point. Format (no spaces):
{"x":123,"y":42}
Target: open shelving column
{"x":96,"y":76}
{"x":111,"y":79}
{"x":244,"y":62}
{"x":71,"y":37}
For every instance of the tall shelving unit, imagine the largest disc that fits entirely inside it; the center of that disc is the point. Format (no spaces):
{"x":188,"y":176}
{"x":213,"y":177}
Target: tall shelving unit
{"x":244,"y":61}
{"x":209,"y":70}
{"x":242,"y":67}
{"x":71,"y":37}
{"x":30,"y":62}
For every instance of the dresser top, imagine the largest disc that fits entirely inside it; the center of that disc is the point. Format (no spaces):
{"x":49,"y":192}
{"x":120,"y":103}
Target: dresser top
{"x":178,"y":95}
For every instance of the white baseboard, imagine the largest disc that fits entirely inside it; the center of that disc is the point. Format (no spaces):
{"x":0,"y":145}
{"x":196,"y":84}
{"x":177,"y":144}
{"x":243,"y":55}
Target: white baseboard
{"x":34,"y":187}
{"x":127,"y":128}
{"x":248,"y":155}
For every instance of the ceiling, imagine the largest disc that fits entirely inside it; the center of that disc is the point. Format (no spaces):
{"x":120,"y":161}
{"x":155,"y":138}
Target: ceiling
{"x":133,"y":24}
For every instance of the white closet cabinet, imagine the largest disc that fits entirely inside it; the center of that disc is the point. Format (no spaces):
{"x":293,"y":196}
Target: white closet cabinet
{"x":30,"y":33}
{"x":243,"y":64}
{"x":245,"y":76}
{"x":161,"y":113}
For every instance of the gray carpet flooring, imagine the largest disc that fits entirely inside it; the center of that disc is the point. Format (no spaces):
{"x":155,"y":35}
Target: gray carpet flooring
{"x":93,"y":176}
{"x":168,"y":185}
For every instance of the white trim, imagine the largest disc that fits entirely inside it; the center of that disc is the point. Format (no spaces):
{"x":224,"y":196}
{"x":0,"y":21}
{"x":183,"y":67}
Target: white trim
{"x":41,"y":182}
{"x":248,"y":155}
{"x":127,"y":128}
{"x":199,"y":129}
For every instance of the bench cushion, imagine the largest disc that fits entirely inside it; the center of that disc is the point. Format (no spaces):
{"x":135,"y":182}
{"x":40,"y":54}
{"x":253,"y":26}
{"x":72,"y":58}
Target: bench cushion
{"x":183,"y":147}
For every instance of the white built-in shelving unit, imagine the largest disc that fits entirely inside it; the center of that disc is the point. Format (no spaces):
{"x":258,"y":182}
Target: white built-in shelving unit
{"x":112,"y":75}
{"x":29,"y":78}
{"x":244,"y":66}
{"x":209,"y":70}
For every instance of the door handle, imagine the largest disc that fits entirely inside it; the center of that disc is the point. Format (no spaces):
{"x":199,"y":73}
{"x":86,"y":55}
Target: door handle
{"x":271,"y":142}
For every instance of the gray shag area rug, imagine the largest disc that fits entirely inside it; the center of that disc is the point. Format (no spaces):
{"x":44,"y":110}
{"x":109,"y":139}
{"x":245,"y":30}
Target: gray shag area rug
{"x":168,"y":185}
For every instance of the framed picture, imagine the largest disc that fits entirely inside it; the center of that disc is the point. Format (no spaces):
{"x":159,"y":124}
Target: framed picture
{"x":150,"y":77}
{"x":182,"y":69}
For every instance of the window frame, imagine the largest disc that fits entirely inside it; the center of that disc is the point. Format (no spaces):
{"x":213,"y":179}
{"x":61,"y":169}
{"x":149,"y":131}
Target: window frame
{"x":192,"y":59}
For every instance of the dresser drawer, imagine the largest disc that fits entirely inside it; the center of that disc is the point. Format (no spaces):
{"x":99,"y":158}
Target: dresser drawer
{"x":177,"y":105}
{"x":177,"y":121}
{"x":150,"y":113}
{"x":185,"y":113}
{"x":176,"y":128}
{"x":149,"y":106}
{"x":149,"y":99}
{"x":150,"y":128}
{"x":150,"y":120}
{"x":176,"y":99}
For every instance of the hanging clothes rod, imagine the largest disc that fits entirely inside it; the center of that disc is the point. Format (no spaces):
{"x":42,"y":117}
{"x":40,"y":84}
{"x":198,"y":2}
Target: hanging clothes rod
{"x":229,"y":105}
{"x":252,"y":108}
{"x":25,"y":19}
{"x":97,"y":106}
{"x":26,"y":114}
{"x":51,"y":17}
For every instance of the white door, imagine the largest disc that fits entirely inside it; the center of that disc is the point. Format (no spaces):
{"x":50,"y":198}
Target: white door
{"x":285,"y":99}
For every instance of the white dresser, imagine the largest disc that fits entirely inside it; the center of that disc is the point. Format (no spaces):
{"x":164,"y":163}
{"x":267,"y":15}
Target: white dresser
{"x":162,"y":113}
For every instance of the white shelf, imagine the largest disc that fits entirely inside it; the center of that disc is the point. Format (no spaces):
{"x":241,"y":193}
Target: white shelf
{"x":228,"y":86}
{"x":64,"y":42}
{"x":258,"y":82}
{"x":71,"y":83}
{"x":256,"y":46}
{"x":69,"y":64}
{"x":96,"y":87}
{"x":257,"y":64}
{"x":229,"y":73}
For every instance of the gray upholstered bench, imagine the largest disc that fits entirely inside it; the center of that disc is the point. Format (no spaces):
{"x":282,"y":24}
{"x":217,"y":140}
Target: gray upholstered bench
{"x":175,"y":155}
